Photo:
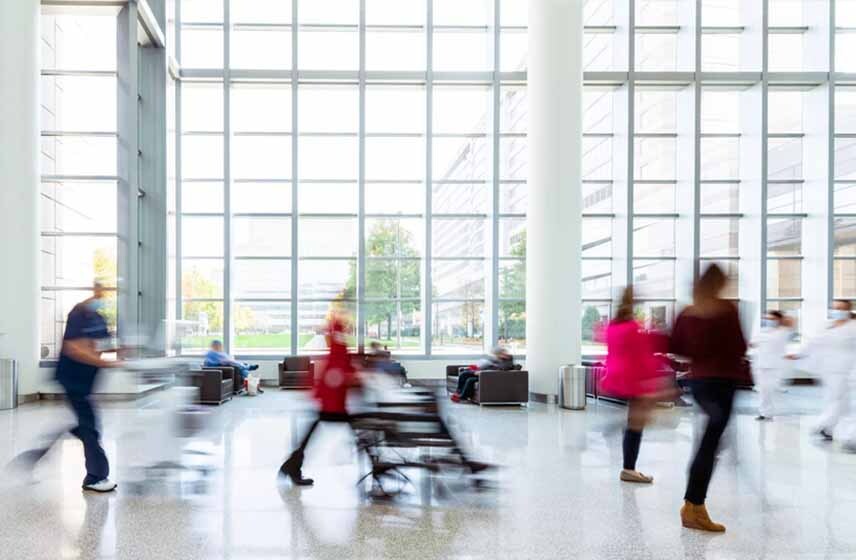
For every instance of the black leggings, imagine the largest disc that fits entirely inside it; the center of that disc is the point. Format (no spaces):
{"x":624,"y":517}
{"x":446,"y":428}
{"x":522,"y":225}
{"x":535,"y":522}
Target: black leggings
{"x":716,"y":399}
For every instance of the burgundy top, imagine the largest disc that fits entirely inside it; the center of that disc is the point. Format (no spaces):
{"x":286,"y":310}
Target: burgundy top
{"x":714,"y":343}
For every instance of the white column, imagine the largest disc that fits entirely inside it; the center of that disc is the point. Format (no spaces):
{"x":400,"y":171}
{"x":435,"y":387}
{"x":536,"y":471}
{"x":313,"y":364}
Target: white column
{"x":554,"y":215}
{"x":19,"y":188}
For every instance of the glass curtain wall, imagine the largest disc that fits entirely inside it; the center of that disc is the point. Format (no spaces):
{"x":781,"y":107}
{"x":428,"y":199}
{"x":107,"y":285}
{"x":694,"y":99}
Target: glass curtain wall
{"x":368,"y":155}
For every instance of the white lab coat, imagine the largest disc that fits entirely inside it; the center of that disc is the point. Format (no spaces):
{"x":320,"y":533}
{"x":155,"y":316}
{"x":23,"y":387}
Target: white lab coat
{"x":771,"y":347}
{"x":834,"y":355}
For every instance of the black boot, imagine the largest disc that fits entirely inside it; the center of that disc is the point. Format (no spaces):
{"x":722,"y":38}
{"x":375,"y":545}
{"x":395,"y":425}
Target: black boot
{"x":292,"y":469}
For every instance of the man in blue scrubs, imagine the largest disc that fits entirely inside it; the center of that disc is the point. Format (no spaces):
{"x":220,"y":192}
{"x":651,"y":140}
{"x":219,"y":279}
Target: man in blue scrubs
{"x":79,"y":362}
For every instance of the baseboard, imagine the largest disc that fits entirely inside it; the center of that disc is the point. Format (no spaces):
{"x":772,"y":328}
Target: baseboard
{"x":543,"y":398}
{"x":105,"y":397}
{"x":433,"y":383}
{"x":24,"y":399}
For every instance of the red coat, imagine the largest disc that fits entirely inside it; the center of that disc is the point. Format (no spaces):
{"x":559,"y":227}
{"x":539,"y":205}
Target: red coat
{"x":336,"y":375}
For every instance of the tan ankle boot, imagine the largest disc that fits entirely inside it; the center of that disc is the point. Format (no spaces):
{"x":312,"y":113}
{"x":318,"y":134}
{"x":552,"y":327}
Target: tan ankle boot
{"x":696,"y":517}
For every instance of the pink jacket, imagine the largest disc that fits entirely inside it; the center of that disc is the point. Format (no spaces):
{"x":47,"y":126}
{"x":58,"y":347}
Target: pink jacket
{"x":632,"y":370}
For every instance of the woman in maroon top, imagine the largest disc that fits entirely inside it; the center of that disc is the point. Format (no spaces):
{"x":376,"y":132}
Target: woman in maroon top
{"x":708,"y":333}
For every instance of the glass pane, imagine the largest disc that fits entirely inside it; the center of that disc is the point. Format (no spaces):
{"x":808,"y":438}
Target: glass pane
{"x":202,"y":157}
{"x":313,"y":318}
{"x":262,"y":327}
{"x":462,"y":159}
{"x":261,"y":197}
{"x":720,"y":198}
{"x":514,"y":50}
{"x":785,"y":111}
{"x":656,"y":315}
{"x":845,"y":43}
{"x":202,"y":236}
{"x":654,"y":279}
{"x":656,"y":110}
{"x":320,"y":279}
{"x":79,"y":155}
{"x":55,"y":307}
{"x":460,"y":198}
{"x":845,"y":237}
{"x":201,"y":278}
{"x":513,"y":198}
{"x":512,"y":237}
{"x":786,"y":52}
{"x":260,"y":11}
{"x":261,"y":49}
{"x":656,"y":52}
{"x":594,"y":318}
{"x":79,"y":207}
{"x":396,"y":159}
{"x":77,"y":262}
{"x":655,"y":158}
{"x":512,"y":326}
{"x":597,"y":158}
{"x":328,"y":49}
{"x":844,"y":276}
{"x":845,"y":158}
{"x":512,"y":279}
{"x":462,"y":51}
{"x":390,"y":198}
{"x":845,"y":197}
{"x":461,"y":109}
{"x":786,"y":159}
{"x":597,"y":279}
{"x":262,"y":279}
{"x":201,"y":47}
{"x":513,"y":159}
{"x":597,"y":197}
{"x":597,"y":237}
{"x":720,"y":111}
{"x":653,"y":197}
{"x":395,"y":12}
{"x":784,"y":198}
{"x":328,"y":158}
{"x":397,"y":326}
{"x":328,"y":237}
{"x":719,"y":237}
{"x":459,"y":279}
{"x":328,"y":198}
{"x":340,"y":12}
{"x":599,"y":52}
{"x":394,"y":279}
{"x":328,"y":108}
{"x":395,"y":109}
{"x":261,"y":157}
{"x":845,"y":109}
{"x":456,"y":12}
{"x":207,"y":11}
{"x":262,"y":237}
{"x":78,"y":103}
{"x":458,"y":328}
{"x":261,"y":108}
{"x":394,"y":237}
{"x":396,"y":50}
{"x":721,"y":52}
{"x":658,"y":12}
{"x":201,"y":107}
{"x":784,"y":278}
{"x":202,"y":196}
{"x":459,"y":237}
{"x":80,"y":42}
{"x":206,"y":324}
{"x":720,"y":158}
{"x":513,"y":109}
{"x":654,"y":237}
{"x":784,"y":237}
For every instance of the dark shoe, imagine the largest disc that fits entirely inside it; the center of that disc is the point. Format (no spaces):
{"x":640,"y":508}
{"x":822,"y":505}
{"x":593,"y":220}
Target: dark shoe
{"x":253,"y":367}
{"x":477,"y":467}
{"x":826,"y":436}
{"x":292,"y":469}
{"x":259,"y":389}
{"x":761,"y":418}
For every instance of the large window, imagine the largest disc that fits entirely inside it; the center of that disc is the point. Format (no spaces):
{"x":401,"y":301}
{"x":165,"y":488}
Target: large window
{"x":78,"y":167}
{"x":321,"y":168}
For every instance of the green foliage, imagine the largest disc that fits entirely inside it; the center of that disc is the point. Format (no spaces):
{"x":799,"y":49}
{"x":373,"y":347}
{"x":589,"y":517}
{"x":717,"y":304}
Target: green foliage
{"x":195,"y":285}
{"x":512,"y":279}
{"x":591,"y":319}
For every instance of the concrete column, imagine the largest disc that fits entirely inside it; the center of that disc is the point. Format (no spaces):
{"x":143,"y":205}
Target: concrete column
{"x":554,"y":216}
{"x":19,"y":188}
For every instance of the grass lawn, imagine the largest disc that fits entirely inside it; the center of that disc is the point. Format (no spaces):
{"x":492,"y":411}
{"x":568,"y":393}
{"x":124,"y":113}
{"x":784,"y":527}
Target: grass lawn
{"x":279,"y":340}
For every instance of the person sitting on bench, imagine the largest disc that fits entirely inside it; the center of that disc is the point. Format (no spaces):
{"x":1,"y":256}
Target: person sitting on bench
{"x":217,"y":358}
{"x":499,"y":360}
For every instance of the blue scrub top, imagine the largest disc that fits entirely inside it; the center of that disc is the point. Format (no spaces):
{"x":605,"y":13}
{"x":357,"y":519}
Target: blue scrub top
{"x":82,"y":322}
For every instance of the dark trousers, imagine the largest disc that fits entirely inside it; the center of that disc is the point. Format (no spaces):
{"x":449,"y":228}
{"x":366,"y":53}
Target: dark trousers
{"x":716,"y":399}
{"x":467,"y":384}
{"x":78,"y":390}
{"x":296,"y":456}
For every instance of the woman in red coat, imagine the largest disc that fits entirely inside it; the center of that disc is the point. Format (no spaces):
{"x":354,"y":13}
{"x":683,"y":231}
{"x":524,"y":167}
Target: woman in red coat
{"x":632,"y":373}
{"x":336,"y":376}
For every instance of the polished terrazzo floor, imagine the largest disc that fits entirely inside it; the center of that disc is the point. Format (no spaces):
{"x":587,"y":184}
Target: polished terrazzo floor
{"x":781,"y":494}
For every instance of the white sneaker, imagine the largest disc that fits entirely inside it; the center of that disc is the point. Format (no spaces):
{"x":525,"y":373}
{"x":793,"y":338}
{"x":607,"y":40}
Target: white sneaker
{"x":105,"y":485}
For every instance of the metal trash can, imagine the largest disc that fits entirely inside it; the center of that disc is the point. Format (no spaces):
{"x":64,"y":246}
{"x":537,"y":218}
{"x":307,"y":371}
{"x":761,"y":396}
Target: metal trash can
{"x":572,"y":387}
{"x":8,"y":384}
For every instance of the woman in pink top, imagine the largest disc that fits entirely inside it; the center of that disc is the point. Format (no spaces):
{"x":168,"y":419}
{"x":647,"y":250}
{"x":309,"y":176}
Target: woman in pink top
{"x":631,"y":373}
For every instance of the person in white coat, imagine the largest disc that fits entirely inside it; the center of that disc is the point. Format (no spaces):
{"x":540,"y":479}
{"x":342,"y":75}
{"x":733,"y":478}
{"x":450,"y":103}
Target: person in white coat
{"x":771,"y":349}
{"x":834,"y":354}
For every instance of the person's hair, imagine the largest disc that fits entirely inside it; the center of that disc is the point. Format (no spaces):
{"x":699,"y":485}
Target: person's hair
{"x":777,"y":314}
{"x":709,"y":285}
{"x":624,"y":309}
{"x":216,"y":342}
{"x":847,"y":303}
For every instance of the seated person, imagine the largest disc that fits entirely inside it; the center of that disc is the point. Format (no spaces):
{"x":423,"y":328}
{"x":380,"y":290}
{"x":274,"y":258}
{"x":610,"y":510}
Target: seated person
{"x":217,"y":358}
{"x":378,"y":357}
{"x":499,"y":360}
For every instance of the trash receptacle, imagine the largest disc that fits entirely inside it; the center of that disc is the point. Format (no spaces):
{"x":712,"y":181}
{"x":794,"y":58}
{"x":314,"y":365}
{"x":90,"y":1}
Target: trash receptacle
{"x":572,"y":387}
{"x":8,"y":384}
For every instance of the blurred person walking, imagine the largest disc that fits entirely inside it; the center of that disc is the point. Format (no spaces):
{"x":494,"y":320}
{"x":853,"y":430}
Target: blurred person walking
{"x":708,"y":333}
{"x":833,"y":352}
{"x":633,"y":373}
{"x":80,"y":360}
{"x":771,"y":349}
